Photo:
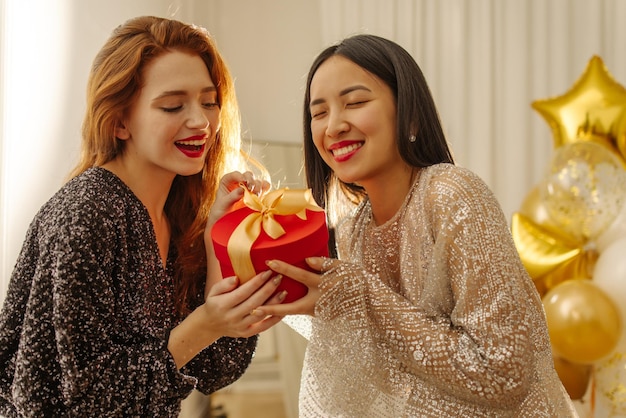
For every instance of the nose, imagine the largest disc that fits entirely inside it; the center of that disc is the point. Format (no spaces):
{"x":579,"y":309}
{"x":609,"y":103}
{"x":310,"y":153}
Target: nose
{"x":337,"y":125}
{"x":198,"y":118}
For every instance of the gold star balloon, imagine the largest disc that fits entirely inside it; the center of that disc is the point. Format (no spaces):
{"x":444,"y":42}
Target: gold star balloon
{"x":594,"y":109}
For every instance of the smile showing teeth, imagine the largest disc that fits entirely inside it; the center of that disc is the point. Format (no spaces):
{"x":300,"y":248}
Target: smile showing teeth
{"x":193,"y":144}
{"x":196,"y":142}
{"x":345,"y":150}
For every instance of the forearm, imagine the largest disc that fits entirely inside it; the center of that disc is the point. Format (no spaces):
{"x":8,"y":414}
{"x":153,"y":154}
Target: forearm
{"x":427,"y":345}
{"x":222,"y":363}
{"x":190,"y":337}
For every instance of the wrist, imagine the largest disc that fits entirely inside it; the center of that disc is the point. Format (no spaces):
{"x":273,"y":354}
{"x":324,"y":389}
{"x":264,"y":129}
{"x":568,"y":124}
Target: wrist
{"x":190,"y":337}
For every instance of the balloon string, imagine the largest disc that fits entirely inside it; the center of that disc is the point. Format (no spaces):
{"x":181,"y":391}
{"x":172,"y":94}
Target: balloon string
{"x":593,"y":392}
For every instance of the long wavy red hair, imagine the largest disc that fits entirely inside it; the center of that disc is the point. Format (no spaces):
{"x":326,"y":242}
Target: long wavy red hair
{"x":114,"y":83}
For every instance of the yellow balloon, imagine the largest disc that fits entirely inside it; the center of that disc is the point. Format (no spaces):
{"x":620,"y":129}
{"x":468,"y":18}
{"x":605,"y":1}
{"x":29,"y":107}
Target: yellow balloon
{"x":534,"y":208}
{"x":575,"y":377}
{"x":593,"y":109}
{"x":579,"y":267}
{"x":549,"y":257}
{"x":583,"y":322}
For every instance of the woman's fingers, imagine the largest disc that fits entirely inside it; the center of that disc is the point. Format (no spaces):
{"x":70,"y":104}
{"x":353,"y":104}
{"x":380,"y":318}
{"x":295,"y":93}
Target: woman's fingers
{"x":277,"y":298}
{"x":322,"y":264}
{"x":245,"y":296}
{"x":230,"y":191}
{"x":254,"y":185}
{"x":258,"y":326}
{"x":247,"y":179}
{"x":258,"y":290}
{"x":304,"y":305}
{"x":224,"y":286}
{"x":230,"y":306}
{"x":305,"y":277}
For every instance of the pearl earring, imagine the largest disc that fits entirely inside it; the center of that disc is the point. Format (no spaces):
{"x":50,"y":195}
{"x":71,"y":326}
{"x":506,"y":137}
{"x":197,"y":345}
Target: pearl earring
{"x":412,"y":138}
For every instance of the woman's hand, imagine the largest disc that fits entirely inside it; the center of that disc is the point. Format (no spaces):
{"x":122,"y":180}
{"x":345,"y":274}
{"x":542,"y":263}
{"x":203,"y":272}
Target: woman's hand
{"x":230,"y":308}
{"x":229,"y":192}
{"x":306,"y":304}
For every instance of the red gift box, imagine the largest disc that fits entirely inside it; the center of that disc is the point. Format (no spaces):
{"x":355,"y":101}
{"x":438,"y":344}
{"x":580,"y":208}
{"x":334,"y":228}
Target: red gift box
{"x":284,"y":225}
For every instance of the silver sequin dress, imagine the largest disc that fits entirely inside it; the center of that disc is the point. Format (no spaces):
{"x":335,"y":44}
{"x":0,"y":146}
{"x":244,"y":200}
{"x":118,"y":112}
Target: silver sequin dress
{"x":431,"y":315}
{"x":85,"y":324}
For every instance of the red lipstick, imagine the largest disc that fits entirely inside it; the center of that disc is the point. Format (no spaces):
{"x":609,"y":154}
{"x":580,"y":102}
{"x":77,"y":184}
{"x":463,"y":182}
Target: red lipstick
{"x":344,"y":150}
{"x":193,"y":146}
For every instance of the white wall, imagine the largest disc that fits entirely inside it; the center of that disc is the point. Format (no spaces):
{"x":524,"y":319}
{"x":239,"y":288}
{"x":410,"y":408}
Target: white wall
{"x":47,"y":50}
{"x":486,"y":61}
{"x":269,"y":45}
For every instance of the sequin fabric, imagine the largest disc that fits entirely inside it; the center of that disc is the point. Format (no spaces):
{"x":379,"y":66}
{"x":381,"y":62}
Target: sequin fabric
{"x":85,"y":324}
{"x":431,"y":314}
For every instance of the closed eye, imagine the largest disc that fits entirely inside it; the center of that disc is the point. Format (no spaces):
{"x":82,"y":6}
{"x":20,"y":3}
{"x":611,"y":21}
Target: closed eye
{"x":171,"y":109}
{"x":318,"y":114}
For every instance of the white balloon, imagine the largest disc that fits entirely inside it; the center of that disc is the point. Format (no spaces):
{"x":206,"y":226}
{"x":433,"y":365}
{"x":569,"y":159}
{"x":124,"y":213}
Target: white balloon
{"x":615,"y":231}
{"x":610,"y":387}
{"x":609,"y":273}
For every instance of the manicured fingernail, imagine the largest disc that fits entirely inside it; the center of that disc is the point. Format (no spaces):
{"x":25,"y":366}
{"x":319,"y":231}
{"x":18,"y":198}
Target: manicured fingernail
{"x":271,"y":264}
{"x":257,"y":312}
{"x":277,"y":279}
{"x":282,"y":295}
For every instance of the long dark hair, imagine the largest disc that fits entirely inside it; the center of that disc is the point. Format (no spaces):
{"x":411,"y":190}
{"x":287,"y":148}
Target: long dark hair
{"x":416,"y":112}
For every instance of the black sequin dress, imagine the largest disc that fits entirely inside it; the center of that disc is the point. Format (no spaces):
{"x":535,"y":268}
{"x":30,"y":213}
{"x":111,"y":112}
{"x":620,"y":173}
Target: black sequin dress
{"x":86,"y":320}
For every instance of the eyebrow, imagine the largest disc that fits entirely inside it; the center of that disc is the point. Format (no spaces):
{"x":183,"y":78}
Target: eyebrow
{"x":341,"y":93}
{"x":170,"y":93}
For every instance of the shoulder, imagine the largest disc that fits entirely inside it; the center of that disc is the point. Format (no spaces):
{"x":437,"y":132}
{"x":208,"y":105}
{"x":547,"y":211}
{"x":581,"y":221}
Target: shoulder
{"x":447,"y":192}
{"x":446,"y":182}
{"x":95,"y":197}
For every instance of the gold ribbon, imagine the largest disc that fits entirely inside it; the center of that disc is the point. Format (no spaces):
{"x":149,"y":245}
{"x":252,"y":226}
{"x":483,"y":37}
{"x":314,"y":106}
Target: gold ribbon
{"x":549,"y":257}
{"x":277,"y":202}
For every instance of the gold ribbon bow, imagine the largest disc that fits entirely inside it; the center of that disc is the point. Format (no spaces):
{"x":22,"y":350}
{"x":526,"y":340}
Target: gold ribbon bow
{"x":549,"y":257}
{"x":277,"y":202}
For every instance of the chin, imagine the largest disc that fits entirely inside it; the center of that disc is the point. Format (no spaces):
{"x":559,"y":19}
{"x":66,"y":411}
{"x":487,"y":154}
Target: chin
{"x":190,"y":172}
{"x":347,"y":178}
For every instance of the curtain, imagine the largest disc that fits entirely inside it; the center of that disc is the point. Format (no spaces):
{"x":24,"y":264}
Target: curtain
{"x":486,"y":61}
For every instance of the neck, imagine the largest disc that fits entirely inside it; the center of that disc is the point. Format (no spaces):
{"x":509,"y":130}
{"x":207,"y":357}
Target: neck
{"x":387,"y":197}
{"x":151,"y":189}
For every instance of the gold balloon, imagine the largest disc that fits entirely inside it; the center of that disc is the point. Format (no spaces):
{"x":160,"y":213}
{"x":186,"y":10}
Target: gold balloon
{"x":594,"y":109}
{"x":534,"y":208}
{"x":549,"y":256}
{"x":579,"y":267}
{"x":583,"y":322}
{"x":575,"y":377}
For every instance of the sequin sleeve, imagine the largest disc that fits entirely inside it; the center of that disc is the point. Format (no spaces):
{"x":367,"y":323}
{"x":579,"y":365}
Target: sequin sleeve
{"x":108,"y":364}
{"x":222,"y":363}
{"x":466,"y":326}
